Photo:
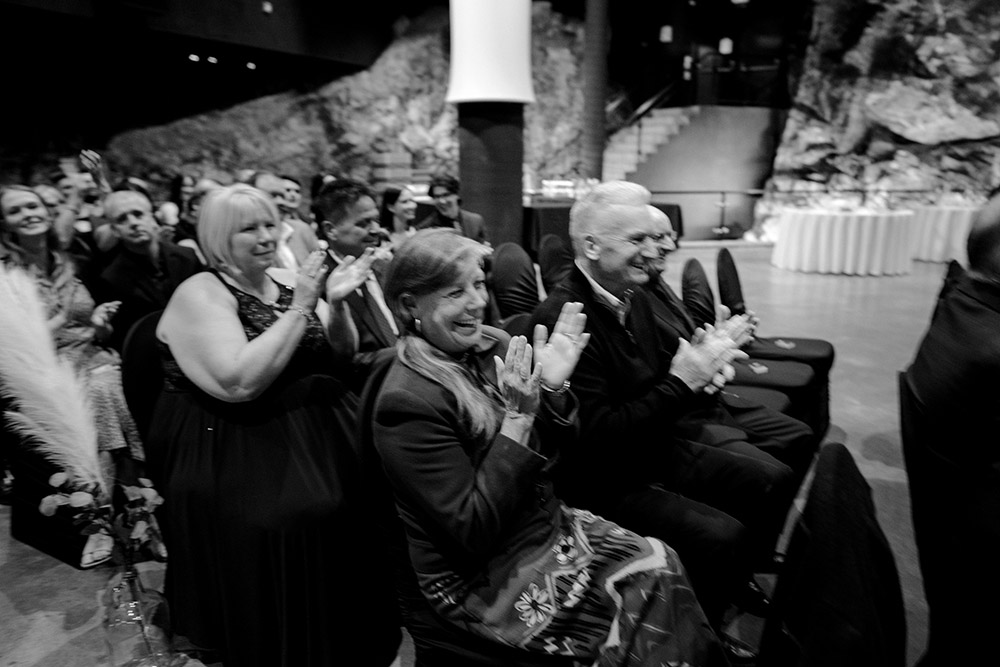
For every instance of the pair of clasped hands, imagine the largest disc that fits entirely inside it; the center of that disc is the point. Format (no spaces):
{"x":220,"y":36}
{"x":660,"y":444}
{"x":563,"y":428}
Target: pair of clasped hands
{"x":706,"y":362}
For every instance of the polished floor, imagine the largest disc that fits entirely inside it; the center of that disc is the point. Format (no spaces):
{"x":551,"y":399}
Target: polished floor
{"x":49,"y":612}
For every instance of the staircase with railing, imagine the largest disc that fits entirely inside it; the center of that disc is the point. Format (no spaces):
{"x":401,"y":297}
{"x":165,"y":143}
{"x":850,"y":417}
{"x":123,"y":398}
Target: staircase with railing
{"x":630,"y":146}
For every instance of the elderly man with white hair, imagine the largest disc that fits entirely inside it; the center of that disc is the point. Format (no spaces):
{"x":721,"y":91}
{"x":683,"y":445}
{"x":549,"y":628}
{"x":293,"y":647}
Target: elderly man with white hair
{"x":637,"y":462}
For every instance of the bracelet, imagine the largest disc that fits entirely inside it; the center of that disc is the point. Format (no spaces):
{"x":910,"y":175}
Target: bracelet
{"x":561,"y":390}
{"x":298,"y":309}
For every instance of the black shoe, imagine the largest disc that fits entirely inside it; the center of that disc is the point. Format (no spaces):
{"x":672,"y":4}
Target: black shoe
{"x":738,"y":652}
{"x":751,"y":599}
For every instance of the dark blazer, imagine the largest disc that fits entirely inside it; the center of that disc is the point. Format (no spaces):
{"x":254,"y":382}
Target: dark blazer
{"x":467,"y":502}
{"x":628,"y":399}
{"x":375,"y":336}
{"x":955,"y":371}
{"x":469,"y":223}
{"x":142,"y":287}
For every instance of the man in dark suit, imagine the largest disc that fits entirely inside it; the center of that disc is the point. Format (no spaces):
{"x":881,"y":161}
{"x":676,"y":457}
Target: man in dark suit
{"x":719,"y":505}
{"x":146,"y":270}
{"x":448,"y":213}
{"x":747,"y":401}
{"x":952,"y":445}
{"x":349,"y":220}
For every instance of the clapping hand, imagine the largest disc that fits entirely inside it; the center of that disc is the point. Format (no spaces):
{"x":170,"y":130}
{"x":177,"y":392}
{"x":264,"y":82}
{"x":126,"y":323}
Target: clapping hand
{"x":101,"y":317}
{"x":557,"y":356}
{"x":349,"y":275}
{"x":705,"y":363}
{"x":518,"y":384}
{"x":309,"y":281}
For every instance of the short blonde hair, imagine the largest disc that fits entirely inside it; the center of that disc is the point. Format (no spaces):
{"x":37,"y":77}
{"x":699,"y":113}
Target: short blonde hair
{"x":595,"y":210}
{"x":224,"y":211}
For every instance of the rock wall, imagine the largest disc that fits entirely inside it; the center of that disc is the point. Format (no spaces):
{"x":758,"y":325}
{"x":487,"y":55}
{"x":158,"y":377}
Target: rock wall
{"x":896,"y":95}
{"x":396,"y":105}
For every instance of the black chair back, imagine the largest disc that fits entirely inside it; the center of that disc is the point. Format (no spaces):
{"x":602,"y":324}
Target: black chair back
{"x":728,"y":279}
{"x":555,"y":259}
{"x":512,"y":279}
{"x":838,"y":599}
{"x":696,"y":293}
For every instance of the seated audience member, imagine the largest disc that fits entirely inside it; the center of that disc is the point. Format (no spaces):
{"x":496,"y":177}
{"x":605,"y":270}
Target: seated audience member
{"x":722,"y":503}
{"x":293,"y":198}
{"x":169,"y":212}
{"x":397,"y":211}
{"x":146,"y":270}
{"x":448,"y":213}
{"x":348,"y":220}
{"x":781,"y":437}
{"x":186,"y":231}
{"x":467,"y":431}
{"x":79,"y":330}
{"x":252,"y":441}
{"x":296,"y":239}
{"x":953,"y":461}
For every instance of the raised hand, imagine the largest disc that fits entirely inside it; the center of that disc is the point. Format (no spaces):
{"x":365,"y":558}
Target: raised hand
{"x":558,"y":354}
{"x":519,"y":385}
{"x":91,"y":161}
{"x":309,"y":281}
{"x":101,"y":317}
{"x":349,"y":275}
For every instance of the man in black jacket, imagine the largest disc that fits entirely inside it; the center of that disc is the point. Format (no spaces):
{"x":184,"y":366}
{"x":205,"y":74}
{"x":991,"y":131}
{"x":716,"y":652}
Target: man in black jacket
{"x":146,"y":270}
{"x":951,"y":425}
{"x":349,"y":220}
{"x":720,"y":505}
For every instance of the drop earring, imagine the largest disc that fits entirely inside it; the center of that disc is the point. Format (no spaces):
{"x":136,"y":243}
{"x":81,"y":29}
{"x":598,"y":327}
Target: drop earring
{"x":416,"y":324}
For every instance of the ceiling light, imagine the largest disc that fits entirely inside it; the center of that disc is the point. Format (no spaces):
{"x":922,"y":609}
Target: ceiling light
{"x":194,"y":57}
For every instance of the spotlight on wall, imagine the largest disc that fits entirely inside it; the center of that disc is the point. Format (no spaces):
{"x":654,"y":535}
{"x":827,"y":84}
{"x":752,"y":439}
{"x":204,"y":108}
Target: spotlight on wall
{"x":212,"y":59}
{"x":251,"y":65}
{"x":194,"y":57}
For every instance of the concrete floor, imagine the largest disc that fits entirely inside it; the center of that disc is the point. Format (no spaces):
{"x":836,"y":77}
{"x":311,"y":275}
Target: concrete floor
{"x":49,"y":612}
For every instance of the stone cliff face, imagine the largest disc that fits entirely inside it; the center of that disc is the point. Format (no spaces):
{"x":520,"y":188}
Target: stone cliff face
{"x":891,"y":95}
{"x":896,"y":95}
{"x":396,"y":106}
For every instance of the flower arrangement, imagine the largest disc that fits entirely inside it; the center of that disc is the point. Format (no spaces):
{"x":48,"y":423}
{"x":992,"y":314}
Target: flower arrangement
{"x":127,"y":519}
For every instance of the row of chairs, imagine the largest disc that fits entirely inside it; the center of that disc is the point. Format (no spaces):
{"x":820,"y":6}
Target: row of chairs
{"x":803,"y":387}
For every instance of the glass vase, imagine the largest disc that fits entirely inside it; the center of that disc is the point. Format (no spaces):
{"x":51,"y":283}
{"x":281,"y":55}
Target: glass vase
{"x":137,"y":623}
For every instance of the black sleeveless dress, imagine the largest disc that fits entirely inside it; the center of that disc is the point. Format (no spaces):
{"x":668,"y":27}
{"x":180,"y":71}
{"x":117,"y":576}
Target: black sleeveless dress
{"x":269,"y":557}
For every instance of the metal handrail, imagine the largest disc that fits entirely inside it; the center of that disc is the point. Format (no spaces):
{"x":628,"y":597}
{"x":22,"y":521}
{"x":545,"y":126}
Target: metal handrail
{"x":653,"y":102}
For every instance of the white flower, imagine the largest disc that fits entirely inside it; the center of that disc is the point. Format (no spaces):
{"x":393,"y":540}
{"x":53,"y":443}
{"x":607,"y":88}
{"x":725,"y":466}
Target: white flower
{"x":534,"y":605}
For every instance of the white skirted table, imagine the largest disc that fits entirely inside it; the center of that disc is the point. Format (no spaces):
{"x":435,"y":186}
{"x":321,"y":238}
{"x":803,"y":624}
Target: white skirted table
{"x":864,"y":243}
{"x":940,"y":232}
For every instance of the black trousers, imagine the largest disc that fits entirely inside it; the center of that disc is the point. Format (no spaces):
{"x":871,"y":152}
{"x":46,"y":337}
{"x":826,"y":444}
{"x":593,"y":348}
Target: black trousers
{"x":717,"y":507}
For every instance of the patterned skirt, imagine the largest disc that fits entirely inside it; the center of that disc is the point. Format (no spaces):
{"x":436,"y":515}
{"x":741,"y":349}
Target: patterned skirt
{"x":595,"y":591}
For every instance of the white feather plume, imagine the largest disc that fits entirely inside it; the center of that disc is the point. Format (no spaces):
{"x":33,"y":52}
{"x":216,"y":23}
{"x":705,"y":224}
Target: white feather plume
{"x":49,"y":401}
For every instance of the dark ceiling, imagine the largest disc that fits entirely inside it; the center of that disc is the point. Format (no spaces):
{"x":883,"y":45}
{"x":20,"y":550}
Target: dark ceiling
{"x":79,"y":71}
